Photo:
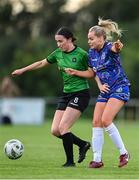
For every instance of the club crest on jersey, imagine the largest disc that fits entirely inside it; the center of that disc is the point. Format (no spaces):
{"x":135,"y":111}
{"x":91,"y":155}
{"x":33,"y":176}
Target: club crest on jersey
{"x":74,"y":59}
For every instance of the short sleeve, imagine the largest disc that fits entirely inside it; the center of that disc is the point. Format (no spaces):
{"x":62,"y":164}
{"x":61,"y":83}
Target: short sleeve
{"x":52,"y":58}
{"x":109,"y":46}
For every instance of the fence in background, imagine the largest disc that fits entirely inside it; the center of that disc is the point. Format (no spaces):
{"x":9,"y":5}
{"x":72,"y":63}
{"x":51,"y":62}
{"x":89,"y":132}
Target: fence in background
{"x":129,"y":112}
{"x":36,"y":110}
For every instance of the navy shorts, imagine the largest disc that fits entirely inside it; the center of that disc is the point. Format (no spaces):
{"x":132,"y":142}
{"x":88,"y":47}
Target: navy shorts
{"x":119,"y":92}
{"x":77,"y":100}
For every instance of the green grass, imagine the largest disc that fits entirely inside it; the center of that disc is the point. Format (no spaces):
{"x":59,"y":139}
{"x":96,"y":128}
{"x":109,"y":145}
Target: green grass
{"x":44,"y":154}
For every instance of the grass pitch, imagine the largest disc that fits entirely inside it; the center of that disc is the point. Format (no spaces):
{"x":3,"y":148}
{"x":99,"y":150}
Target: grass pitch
{"x":44,"y":154}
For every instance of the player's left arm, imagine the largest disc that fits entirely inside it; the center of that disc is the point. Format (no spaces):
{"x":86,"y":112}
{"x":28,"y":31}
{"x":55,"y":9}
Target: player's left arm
{"x":104,"y":88}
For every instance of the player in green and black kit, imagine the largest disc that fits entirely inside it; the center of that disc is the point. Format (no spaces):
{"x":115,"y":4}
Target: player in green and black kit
{"x":75,"y":97}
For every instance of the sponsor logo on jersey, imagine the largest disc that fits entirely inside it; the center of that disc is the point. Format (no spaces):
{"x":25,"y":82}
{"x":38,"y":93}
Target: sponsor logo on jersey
{"x":103,"y":55}
{"x":93,"y":59}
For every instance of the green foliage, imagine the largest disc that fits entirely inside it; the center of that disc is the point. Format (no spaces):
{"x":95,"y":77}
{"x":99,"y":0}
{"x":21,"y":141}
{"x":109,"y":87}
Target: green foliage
{"x":5,"y":13}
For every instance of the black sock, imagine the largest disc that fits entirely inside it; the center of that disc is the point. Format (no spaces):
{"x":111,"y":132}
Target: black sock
{"x":76,"y":140}
{"x":68,"y":146}
{"x":79,"y":142}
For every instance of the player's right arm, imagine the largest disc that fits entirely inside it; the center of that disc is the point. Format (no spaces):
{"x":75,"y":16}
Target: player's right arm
{"x":89,"y":73}
{"x":36,"y":65}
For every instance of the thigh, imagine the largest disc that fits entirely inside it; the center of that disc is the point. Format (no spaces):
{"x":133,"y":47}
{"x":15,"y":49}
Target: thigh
{"x":68,"y":119}
{"x":98,"y":111}
{"x":56,"y":121}
{"x":113,"y":106}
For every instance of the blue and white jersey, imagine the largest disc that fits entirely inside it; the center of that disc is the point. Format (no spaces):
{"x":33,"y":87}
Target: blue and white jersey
{"x":107,"y":66}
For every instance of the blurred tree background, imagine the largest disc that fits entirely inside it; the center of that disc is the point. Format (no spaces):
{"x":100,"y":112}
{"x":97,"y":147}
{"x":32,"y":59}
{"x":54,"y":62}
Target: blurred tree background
{"x":27,"y":35}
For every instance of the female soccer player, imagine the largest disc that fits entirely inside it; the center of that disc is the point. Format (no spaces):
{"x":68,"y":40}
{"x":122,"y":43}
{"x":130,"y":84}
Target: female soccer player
{"x":75,"y":97}
{"x":105,"y":61}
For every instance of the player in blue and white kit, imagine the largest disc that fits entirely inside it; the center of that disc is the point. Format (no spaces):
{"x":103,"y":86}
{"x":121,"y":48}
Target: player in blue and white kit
{"x":107,"y":66}
{"x":105,"y":61}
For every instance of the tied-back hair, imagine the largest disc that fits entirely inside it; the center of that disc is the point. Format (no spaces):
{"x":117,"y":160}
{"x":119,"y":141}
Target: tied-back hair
{"x":106,"y":28}
{"x":66,"y":32}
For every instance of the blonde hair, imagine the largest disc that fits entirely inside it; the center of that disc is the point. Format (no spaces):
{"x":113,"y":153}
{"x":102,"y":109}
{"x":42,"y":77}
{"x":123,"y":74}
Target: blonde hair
{"x":106,"y":28}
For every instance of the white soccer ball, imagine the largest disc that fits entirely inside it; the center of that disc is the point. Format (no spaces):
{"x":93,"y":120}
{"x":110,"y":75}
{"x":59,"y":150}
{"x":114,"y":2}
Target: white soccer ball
{"x":14,"y":149}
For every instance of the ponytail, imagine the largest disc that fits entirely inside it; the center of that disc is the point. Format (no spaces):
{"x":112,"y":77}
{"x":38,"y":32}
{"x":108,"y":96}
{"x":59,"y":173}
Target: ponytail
{"x":110,"y":26}
{"x":106,"y":28}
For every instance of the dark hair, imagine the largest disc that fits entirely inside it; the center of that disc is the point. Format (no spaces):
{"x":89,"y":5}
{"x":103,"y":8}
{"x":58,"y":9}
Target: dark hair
{"x":64,"y":31}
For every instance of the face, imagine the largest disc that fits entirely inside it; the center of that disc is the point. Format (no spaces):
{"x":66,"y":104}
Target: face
{"x":63,"y":43}
{"x":94,"y":41}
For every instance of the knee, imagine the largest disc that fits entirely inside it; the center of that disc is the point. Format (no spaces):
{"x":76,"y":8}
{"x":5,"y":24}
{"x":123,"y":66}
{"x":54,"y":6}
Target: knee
{"x":55,"y":131}
{"x":106,"y":121}
{"x":97,"y":122}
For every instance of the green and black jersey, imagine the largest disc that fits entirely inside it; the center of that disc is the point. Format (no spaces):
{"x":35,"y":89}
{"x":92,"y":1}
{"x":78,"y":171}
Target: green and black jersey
{"x":76,"y":59}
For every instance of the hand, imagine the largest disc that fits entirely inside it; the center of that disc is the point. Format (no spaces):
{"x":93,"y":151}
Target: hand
{"x":118,"y":45}
{"x":17,"y":72}
{"x":104,"y":88}
{"x":70,"y":71}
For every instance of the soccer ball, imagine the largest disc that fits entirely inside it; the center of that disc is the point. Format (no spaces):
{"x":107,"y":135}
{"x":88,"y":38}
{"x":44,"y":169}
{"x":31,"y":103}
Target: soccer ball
{"x":13,"y":149}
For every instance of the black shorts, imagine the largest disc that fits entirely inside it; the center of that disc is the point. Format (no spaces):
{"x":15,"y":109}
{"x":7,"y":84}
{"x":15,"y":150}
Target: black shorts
{"x":77,"y":100}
